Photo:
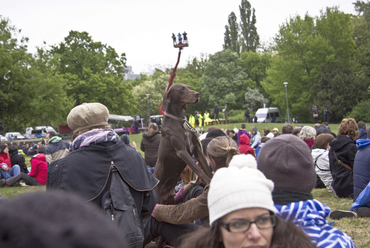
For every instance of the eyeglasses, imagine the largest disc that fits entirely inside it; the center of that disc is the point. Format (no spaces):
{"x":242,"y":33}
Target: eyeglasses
{"x":241,"y":225}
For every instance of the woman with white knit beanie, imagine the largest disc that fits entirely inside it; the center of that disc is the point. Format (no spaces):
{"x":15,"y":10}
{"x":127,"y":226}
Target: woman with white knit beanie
{"x":242,"y":212}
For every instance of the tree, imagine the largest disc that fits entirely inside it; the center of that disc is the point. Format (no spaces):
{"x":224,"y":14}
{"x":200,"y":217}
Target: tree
{"x":256,"y":66}
{"x":254,"y":98}
{"x":154,"y":87}
{"x":224,"y":80}
{"x":248,"y":27}
{"x":94,"y":72}
{"x":308,"y":48}
{"x":231,"y":38}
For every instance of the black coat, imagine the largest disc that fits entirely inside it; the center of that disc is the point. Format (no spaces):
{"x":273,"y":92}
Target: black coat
{"x":15,"y":158}
{"x":149,"y":145}
{"x":85,"y":171}
{"x":345,"y":149}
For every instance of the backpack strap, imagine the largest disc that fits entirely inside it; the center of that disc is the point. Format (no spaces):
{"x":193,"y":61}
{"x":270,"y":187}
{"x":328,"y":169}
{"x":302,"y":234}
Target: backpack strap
{"x":341,"y":163}
{"x":316,"y":162}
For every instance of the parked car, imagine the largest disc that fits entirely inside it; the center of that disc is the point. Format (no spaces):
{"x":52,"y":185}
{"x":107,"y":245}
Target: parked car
{"x":3,"y":138}
{"x":14,"y":136}
{"x":265,"y":115}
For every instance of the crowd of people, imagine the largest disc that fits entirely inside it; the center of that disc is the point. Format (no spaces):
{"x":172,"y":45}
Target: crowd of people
{"x":259,"y":196}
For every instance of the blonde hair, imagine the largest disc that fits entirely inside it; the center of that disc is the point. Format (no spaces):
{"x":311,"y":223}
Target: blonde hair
{"x":222,"y":149}
{"x":307,"y":133}
{"x":349,"y":127}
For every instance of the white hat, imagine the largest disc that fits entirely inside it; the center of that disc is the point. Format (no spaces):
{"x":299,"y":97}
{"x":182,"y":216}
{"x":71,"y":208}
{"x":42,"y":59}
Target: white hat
{"x":239,"y":186}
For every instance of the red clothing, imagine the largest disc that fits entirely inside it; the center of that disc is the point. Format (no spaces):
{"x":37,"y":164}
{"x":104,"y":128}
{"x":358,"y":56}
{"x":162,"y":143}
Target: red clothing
{"x":309,"y":142}
{"x":244,"y":147}
{"x":4,"y":158}
{"x":39,"y":168}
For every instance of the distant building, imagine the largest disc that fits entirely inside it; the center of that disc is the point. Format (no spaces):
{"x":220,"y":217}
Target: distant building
{"x":129,"y":74}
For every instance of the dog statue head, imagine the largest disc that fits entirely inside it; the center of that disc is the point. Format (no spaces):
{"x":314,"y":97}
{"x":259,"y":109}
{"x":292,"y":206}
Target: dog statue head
{"x":180,"y":94}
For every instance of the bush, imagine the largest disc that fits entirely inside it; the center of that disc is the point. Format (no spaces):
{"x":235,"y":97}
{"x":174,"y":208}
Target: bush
{"x":361,"y":112}
{"x":236,"y":115}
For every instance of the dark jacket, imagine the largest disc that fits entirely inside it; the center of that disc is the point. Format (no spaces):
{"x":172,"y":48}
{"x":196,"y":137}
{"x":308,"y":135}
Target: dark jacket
{"x":361,"y":169}
{"x":362,"y":134}
{"x":345,"y":149}
{"x":149,"y":145}
{"x":216,"y":110}
{"x":86,"y":171}
{"x":15,"y":158}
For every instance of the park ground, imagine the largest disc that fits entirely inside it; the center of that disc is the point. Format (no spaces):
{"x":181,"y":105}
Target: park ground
{"x":358,"y":229}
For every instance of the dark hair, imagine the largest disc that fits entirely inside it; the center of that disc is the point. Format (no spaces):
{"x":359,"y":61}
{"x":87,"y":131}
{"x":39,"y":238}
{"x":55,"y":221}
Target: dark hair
{"x":205,"y":143}
{"x":243,"y":126}
{"x":361,"y":124}
{"x":264,"y":139}
{"x":296,"y":130}
{"x":52,"y":134}
{"x":323,"y":140}
{"x":368,"y":133}
{"x":286,"y":234}
{"x":325,"y":123}
{"x":265,"y":131}
{"x":287,"y":129}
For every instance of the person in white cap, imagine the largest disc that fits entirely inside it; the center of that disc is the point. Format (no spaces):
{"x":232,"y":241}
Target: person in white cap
{"x":242,"y":212}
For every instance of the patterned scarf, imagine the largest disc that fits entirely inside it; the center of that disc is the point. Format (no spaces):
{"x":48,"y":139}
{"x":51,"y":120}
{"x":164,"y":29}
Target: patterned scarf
{"x":94,"y":136}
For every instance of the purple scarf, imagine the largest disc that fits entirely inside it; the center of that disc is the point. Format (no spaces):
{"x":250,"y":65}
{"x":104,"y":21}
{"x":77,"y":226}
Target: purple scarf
{"x":94,"y":136}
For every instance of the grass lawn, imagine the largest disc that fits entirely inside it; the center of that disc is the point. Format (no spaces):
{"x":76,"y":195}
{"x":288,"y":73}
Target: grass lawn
{"x":358,"y":229}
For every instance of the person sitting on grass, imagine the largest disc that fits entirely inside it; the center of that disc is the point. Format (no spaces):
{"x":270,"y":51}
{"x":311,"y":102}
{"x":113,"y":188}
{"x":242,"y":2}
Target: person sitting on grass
{"x":6,"y":168}
{"x":38,"y":174}
{"x":287,"y":161}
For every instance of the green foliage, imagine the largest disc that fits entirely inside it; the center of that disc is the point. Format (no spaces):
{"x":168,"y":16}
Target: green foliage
{"x":224,"y":80}
{"x":154,"y":87}
{"x":311,"y":54}
{"x":94,"y":73}
{"x":254,"y":98}
{"x":248,"y":27}
{"x":232,"y":34}
{"x":361,"y":112}
{"x":256,"y":65}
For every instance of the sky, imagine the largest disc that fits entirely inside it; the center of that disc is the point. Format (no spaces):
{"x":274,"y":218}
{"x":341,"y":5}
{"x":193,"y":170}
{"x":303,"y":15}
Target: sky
{"x":142,"y":29}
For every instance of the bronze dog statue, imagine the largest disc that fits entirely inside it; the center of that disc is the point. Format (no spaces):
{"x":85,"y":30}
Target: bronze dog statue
{"x":178,"y":143}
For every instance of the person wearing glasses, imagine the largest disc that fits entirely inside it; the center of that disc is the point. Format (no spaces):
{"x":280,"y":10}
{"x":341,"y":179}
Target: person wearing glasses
{"x":242,"y":212}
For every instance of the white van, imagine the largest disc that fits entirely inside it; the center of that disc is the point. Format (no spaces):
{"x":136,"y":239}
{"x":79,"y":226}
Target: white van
{"x":265,"y":115}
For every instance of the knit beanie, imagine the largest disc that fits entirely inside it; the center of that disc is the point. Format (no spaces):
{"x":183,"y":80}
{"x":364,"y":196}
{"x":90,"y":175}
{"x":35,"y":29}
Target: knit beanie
{"x":215,"y":133}
{"x":287,"y":161}
{"x":87,"y":115}
{"x":255,"y":128}
{"x":239,"y":186}
{"x":2,"y":147}
{"x":125,"y":139}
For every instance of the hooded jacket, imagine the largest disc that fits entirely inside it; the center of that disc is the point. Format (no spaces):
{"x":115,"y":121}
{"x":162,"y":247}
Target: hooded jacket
{"x":256,"y":138}
{"x":361,"y":168}
{"x":310,"y":216}
{"x":56,"y":149}
{"x":149,"y":145}
{"x":15,"y":158}
{"x":39,"y":168}
{"x":4,"y":158}
{"x":345,"y":150}
{"x":244,"y":147}
{"x":241,"y":132}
